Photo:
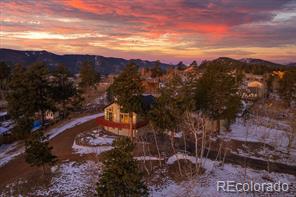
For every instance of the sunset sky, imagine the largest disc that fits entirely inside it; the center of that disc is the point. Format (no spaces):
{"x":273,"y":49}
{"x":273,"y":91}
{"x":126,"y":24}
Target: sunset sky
{"x":168,"y":30}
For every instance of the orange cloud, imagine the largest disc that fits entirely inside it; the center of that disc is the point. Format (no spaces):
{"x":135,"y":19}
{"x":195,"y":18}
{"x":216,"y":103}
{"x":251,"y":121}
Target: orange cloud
{"x":81,"y":5}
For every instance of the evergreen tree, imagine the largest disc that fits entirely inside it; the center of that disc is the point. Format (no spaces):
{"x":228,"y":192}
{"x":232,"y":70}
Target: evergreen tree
{"x":217,"y":94}
{"x":18,"y":97}
{"x":4,"y":71}
{"x":77,"y":101}
{"x":22,"y":127}
{"x":127,"y":90}
{"x":166,"y":114}
{"x":40,"y":91}
{"x":4,"y":76}
{"x":288,"y":86}
{"x":89,"y":76}
{"x":38,"y":152}
{"x":20,"y":106}
{"x":121,"y":176}
{"x":62,"y":88}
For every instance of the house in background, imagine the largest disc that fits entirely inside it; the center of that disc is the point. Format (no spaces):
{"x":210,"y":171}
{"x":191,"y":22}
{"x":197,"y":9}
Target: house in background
{"x":50,"y":115}
{"x":254,"y":86}
{"x":118,"y":122}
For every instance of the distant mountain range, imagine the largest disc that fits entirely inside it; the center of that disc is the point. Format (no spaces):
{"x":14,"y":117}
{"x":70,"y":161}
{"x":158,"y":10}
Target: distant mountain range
{"x":292,"y":64}
{"x":250,"y":65}
{"x":107,"y":65}
{"x":259,"y":61}
{"x":104,"y":65}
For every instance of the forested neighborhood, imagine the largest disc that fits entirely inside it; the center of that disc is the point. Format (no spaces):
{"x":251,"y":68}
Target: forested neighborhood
{"x":135,"y":98}
{"x":176,"y":121}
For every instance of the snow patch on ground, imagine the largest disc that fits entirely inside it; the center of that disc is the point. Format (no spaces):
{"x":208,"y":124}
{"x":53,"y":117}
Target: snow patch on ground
{"x":90,"y":149}
{"x":6,"y":126}
{"x":73,"y":179}
{"x":3,"y":130}
{"x":10,"y":151}
{"x":92,"y":142}
{"x":252,"y":132}
{"x":101,"y":141}
{"x":176,"y":135}
{"x":97,"y":138}
{"x":263,"y":131}
{"x":206,"y":163}
{"x":206,"y":184}
{"x":147,"y":158}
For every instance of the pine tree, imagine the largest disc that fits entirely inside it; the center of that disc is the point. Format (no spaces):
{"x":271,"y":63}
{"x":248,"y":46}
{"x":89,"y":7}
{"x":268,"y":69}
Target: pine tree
{"x":121,"y":176}
{"x":127,"y":90}
{"x":40,"y":91}
{"x":4,"y":77}
{"x":217,"y":94}
{"x":18,"y":98}
{"x":165,"y":114}
{"x":89,"y":76}
{"x":62,"y":88}
{"x":38,"y":152}
{"x":176,"y":97}
{"x":22,"y":127}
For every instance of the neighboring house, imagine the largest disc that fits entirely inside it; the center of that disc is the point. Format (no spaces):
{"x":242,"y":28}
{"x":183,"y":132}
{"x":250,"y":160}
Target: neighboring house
{"x":50,"y":115}
{"x":257,"y":88}
{"x":118,"y":122}
{"x":254,"y":86}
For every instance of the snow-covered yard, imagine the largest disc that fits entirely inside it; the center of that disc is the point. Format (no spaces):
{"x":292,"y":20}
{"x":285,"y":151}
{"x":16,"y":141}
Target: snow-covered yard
{"x":90,"y":149}
{"x":253,"y":132}
{"x":72,"y":179}
{"x":273,"y":140}
{"x":79,"y":179}
{"x":6,"y":126}
{"x":92,"y":142}
{"x":206,"y":184}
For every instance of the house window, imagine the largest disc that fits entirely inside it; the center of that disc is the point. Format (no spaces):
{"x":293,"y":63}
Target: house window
{"x":109,"y":116}
{"x":124,"y":118}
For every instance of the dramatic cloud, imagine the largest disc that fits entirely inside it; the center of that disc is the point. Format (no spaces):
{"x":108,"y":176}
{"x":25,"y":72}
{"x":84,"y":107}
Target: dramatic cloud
{"x":169,"y":30}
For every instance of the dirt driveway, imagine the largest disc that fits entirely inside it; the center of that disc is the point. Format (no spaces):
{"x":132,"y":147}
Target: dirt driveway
{"x":62,"y":148}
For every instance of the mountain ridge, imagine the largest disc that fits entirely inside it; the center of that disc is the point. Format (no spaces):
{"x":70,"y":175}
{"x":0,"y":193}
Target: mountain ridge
{"x":102,"y":64}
